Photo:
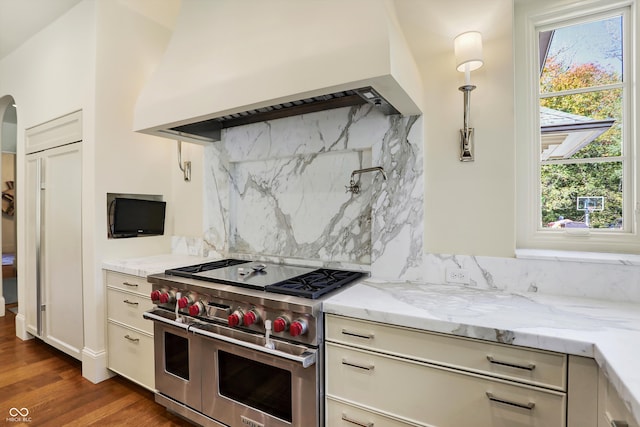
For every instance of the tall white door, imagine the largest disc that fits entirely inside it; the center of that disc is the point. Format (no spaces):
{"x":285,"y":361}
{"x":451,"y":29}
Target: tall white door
{"x":53,"y":278}
{"x":55,"y":312}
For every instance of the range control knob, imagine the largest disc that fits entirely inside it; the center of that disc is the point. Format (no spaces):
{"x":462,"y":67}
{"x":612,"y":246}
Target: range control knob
{"x":299,"y":327}
{"x":281,"y":324}
{"x":167,"y":297}
{"x":235,"y":318}
{"x":185,"y":301}
{"x":155,"y":296}
{"x":196,"y":309}
{"x":251,"y":317}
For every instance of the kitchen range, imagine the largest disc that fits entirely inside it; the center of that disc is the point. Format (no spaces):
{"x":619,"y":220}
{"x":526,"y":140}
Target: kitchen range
{"x":240,"y":343}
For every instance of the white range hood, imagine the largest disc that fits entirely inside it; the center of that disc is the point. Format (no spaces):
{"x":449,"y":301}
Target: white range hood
{"x":228,"y":60}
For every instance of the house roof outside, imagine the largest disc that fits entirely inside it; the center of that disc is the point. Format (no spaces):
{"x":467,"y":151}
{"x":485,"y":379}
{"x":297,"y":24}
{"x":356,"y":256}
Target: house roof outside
{"x":564,"y":134}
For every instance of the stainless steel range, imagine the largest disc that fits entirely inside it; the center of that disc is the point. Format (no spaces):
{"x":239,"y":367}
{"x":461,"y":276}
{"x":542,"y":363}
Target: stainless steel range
{"x":239,"y":343}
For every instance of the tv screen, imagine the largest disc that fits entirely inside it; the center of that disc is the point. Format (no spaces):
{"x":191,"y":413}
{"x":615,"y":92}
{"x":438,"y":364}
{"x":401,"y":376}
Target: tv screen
{"x":134,"y":217}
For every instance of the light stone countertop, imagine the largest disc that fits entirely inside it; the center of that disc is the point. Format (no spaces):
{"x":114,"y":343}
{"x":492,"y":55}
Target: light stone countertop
{"x":154,"y":264}
{"x":607,"y":331}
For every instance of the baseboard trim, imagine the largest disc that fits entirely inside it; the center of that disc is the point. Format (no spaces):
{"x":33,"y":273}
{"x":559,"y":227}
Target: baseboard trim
{"x":21,"y":328}
{"x":94,"y":365}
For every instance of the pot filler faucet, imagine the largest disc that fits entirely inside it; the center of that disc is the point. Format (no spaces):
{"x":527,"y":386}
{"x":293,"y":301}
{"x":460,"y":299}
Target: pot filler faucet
{"x":354,"y":187}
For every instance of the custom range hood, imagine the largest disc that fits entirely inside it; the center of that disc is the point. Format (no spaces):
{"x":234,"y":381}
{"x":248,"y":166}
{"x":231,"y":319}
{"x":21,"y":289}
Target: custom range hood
{"x":231,"y":62}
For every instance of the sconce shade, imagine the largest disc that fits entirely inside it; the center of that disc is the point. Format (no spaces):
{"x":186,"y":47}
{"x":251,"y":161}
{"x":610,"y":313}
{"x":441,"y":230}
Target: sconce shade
{"x":468,"y":50}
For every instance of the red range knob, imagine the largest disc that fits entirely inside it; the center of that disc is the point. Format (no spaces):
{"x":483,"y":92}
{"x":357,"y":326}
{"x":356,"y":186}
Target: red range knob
{"x":183,"y":302}
{"x":196,"y":309}
{"x":155,"y":296}
{"x":299,"y":327}
{"x":235,"y":319}
{"x":164,"y":298}
{"x":250,"y":318}
{"x":280,"y":324}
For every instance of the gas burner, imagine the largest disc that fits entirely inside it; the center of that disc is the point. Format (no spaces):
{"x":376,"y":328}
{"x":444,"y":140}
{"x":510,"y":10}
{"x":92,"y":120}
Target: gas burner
{"x":316,"y":283}
{"x":190,"y":270}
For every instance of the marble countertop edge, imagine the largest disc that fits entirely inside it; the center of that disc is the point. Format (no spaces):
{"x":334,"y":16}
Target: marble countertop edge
{"x":606,"y":331}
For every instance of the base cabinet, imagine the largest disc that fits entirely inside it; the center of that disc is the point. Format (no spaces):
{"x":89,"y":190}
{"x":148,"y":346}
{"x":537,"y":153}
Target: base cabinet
{"x":129,"y":336}
{"x":612,"y":411}
{"x":378,"y":375}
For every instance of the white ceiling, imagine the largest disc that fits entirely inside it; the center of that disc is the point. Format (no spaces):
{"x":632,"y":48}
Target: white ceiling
{"x":20,"y":19}
{"x":437,"y":21}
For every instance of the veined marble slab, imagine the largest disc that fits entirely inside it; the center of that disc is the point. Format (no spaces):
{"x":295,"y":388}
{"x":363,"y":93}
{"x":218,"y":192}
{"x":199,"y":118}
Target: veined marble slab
{"x":144,"y":266}
{"x":607,"y":331}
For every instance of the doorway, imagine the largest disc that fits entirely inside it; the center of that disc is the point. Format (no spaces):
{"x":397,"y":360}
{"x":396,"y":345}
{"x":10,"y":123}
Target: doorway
{"x":8,"y":142}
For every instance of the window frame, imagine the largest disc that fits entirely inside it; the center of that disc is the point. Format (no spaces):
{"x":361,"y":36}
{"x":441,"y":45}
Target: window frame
{"x":530,"y":18}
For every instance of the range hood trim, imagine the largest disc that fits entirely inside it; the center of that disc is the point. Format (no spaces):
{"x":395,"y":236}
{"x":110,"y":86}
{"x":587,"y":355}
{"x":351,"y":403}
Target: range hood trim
{"x":380,"y":59}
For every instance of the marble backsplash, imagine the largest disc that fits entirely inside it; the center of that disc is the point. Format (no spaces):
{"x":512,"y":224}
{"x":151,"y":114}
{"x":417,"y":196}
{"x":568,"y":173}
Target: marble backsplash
{"x":275,"y":191}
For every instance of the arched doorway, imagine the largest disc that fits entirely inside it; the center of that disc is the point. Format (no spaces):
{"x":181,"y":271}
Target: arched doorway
{"x":8,"y":142}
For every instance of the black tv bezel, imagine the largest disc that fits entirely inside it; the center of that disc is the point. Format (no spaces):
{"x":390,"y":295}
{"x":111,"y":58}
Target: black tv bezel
{"x":140,"y":231}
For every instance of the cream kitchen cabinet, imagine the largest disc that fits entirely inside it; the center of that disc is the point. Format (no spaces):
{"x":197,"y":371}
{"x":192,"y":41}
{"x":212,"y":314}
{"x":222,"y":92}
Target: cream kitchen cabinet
{"x":129,"y":336}
{"x":379,"y":374}
{"x":612,"y":411}
{"x":53,"y":233}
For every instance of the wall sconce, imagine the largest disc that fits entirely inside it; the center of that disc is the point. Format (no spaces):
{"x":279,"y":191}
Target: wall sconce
{"x":468,"y":51}
{"x":186,"y":169}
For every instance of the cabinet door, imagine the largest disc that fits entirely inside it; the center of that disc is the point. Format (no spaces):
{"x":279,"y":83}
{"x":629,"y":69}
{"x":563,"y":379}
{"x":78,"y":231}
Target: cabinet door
{"x":61,"y":249}
{"x":612,"y":411}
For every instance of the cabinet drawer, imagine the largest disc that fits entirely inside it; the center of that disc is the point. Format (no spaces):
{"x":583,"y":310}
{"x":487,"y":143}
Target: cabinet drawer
{"x":612,"y":408}
{"x":127,"y":308}
{"x":131,"y":354}
{"x":435,"y":395}
{"x":514,"y":363}
{"x":340,"y":414}
{"x":128,"y":282}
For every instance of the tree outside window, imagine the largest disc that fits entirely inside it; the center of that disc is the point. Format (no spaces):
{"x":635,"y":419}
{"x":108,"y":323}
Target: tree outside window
{"x":581,"y":124}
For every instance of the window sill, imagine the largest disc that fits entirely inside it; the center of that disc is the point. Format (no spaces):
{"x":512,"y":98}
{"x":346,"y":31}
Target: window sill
{"x":574,"y":256}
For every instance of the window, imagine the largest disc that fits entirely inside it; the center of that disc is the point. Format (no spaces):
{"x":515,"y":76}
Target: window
{"x":575,"y":124}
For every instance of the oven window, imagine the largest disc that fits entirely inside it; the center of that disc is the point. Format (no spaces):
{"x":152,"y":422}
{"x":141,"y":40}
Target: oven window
{"x":176,"y":355}
{"x":255,"y":384}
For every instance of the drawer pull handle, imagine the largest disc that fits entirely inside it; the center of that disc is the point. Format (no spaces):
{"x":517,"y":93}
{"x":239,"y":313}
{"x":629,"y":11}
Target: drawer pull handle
{"x":358,"y":423}
{"x":357,"y":334}
{"x":356,"y":365}
{"x":130,"y":302}
{"x":131,"y":338}
{"x":493,"y":398}
{"x":133,"y":285}
{"x":616,"y":423}
{"x":529,"y":367}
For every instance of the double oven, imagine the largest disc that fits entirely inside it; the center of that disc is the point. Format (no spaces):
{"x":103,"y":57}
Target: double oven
{"x":233,"y":350}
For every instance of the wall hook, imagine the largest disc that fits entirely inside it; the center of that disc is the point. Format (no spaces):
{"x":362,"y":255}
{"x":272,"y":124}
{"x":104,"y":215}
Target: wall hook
{"x":186,"y":169}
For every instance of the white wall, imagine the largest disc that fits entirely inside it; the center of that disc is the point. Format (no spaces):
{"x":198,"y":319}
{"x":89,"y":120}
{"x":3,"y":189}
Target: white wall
{"x":50,"y":75}
{"x":95,"y":58}
{"x":470,"y":207}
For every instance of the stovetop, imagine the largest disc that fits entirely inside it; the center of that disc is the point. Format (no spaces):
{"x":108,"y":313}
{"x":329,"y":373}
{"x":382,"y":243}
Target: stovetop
{"x":306,"y":282}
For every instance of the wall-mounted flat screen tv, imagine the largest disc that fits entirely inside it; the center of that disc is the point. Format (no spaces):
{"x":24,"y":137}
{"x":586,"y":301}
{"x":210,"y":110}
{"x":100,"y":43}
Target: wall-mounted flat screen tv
{"x":134,"y":217}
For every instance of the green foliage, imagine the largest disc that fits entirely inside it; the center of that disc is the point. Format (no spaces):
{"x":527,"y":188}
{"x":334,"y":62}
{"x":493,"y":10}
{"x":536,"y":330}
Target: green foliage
{"x":562,"y":183}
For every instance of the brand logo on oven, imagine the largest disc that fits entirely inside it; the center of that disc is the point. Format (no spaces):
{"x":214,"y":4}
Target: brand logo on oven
{"x":250,"y":423}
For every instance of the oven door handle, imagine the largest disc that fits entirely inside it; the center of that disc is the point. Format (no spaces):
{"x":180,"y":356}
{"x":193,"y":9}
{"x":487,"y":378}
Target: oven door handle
{"x":152,"y":316}
{"x":306,"y":359}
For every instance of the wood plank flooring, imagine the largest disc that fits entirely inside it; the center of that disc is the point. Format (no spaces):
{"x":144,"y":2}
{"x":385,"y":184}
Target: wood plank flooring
{"x":50,"y":385}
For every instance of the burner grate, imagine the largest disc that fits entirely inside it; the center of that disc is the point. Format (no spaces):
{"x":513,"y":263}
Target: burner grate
{"x":190,"y":270}
{"x":316,"y":283}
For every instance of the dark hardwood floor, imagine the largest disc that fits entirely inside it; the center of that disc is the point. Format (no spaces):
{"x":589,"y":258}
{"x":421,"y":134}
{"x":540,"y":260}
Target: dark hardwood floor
{"x":49,"y":384}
